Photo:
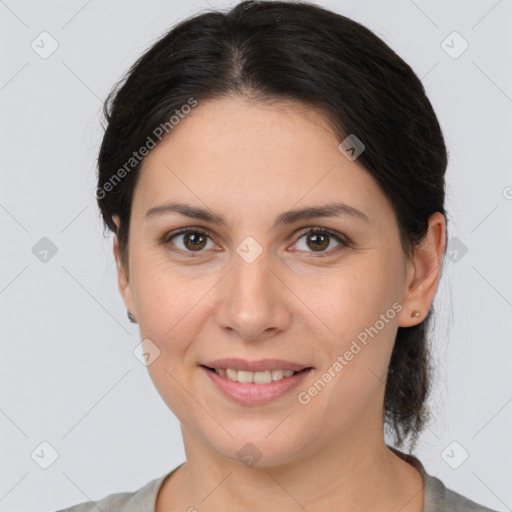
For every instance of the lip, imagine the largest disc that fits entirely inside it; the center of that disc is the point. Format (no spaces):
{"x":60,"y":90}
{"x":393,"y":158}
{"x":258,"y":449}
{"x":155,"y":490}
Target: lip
{"x":256,"y":366}
{"x":255,"y":394}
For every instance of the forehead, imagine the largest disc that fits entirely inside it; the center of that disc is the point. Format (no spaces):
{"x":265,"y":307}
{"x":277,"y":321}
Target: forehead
{"x":233,"y":152}
{"x":233,"y":127}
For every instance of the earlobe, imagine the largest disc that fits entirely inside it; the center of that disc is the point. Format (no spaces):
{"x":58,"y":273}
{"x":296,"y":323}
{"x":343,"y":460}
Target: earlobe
{"x":424,"y":273}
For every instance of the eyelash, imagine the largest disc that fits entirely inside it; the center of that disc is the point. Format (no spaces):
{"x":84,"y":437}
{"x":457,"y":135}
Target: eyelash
{"x":343,"y":240}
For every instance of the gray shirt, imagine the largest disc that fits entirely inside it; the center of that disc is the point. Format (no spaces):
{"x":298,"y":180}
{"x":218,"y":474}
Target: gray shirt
{"x":437,"y":497}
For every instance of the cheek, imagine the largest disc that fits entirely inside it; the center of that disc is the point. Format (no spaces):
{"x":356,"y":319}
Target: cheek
{"x":356,"y":350}
{"x":171,"y":312}
{"x":358,"y":311}
{"x":354,"y":297}
{"x":169,"y":301}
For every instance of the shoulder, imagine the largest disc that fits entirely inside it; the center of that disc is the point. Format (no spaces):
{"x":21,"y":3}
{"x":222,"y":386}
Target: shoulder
{"x":142,"y":500}
{"x":438,"y":498}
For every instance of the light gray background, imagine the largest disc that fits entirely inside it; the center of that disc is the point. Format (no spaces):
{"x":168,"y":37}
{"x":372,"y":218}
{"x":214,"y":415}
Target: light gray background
{"x":68,"y":375}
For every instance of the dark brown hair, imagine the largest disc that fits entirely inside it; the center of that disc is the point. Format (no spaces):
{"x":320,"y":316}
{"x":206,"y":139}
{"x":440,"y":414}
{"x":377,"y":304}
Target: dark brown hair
{"x":271,"y":51}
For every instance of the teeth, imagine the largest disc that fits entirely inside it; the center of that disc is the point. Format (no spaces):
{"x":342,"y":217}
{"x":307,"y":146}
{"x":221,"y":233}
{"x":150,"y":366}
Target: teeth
{"x":277,"y":374}
{"x":253,"y":377}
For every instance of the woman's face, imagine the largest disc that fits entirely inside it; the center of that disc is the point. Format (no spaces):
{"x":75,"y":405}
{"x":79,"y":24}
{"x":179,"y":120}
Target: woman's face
{"x":258,"y":286}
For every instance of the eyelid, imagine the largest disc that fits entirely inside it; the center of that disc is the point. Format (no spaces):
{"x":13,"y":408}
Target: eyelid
{"x":343,"y":240}
{"x":335,"y":234}
{"x":340,"y":237}
{"x":191,"y":229}
{"x":191,"y":254}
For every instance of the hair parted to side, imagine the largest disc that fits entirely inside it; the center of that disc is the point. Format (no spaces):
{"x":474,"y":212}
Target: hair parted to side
{"x":272,"y":51}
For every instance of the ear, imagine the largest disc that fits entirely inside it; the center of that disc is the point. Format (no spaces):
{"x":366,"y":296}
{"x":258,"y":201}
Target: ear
{"x":123,"y":279}
{"x":424,"y":272}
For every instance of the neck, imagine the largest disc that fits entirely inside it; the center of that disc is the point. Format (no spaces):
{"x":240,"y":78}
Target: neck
{"x":357,"y":471}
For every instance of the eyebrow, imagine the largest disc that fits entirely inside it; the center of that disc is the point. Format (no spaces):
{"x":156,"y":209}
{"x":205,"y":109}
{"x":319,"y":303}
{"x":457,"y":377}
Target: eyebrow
{"x":288,"y":217}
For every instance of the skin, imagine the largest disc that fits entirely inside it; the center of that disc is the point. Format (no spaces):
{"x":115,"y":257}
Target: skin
{"x":251,"y":162}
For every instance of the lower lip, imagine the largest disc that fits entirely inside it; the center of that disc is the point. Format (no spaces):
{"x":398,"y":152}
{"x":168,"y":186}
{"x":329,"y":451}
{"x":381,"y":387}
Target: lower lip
{"x":252,"y":394}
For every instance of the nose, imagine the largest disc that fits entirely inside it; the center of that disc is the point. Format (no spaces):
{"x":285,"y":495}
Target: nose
{"x":254,"y":301}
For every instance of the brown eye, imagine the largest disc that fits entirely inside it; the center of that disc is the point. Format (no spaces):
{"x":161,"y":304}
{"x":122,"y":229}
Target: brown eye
{"x":189,"y":240}
{"x":194,"y":241}
{"x":317,"y":240}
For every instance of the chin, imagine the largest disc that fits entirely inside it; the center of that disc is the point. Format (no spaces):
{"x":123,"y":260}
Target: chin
{"x":251,"y":448}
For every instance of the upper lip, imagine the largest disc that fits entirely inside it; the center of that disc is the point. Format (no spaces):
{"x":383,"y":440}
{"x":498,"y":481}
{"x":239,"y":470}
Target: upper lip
{"x":255,"y":366}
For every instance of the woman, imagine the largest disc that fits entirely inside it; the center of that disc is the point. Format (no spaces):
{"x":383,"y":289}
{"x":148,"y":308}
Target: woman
{"x":274,"y":178}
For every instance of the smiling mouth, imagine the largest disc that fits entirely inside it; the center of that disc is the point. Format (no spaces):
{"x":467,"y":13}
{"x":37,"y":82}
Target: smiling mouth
{"x":250,"y":377}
